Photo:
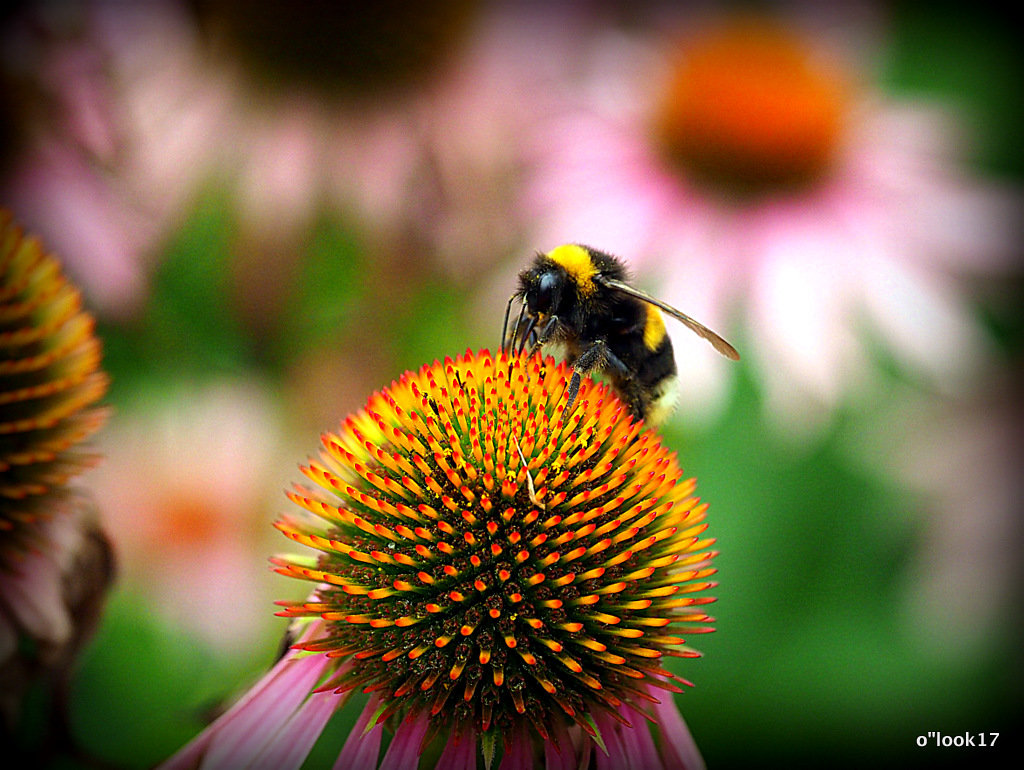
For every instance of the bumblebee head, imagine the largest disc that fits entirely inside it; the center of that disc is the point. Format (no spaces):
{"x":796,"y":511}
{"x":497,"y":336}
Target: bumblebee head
{"x":557,"y":277}
{"x":555,"y":287}
{"x":542,"y":289}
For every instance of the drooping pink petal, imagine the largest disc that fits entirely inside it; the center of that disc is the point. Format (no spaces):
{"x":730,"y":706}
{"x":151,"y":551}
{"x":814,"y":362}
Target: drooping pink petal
{"x":459,"y":753}
{"x":362,"y":747}
{"x":293,"y":742}
{"x":927,"y":322}
{"x":615,"y":755}
{"x":518,"y":750}
{"x":243,"y":732}
{"x":34,"y":595}
{"x":560,"y":751}
{"x":249,"y":731}
{"x":638,"y":741}
{"x":678,"y":749}
{"x":404,"y":751}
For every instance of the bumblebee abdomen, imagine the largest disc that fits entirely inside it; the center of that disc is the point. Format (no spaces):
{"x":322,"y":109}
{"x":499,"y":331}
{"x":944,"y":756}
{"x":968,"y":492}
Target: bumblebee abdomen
{"x":656,"y":365}
{"x":662,"y":400}
{"x":650,"y":385}
{"x":654,"y":328}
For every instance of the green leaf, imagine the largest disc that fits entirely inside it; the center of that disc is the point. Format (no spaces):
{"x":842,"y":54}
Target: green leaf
{"x":597,"y":732}
{"x":488,"y":745}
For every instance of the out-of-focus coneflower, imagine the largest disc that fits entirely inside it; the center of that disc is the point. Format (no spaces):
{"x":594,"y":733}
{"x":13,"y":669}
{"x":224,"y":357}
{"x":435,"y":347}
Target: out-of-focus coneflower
{"x":55,"y":563}
{"x":398,"y":117}
{"x":169,"y":507}
{"x":487,"y":606}
{"x":754,"y":159}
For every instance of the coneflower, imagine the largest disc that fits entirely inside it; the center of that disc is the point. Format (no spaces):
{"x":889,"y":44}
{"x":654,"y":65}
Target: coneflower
{"x":500,"y":582}
{"x":55,"y":562}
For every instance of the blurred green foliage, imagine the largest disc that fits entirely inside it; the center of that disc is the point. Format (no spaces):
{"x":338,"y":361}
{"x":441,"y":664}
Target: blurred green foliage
{"x":970,"y":58}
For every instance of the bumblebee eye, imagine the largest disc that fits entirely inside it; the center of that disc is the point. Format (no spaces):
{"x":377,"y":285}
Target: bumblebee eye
{"x":545,"y":295}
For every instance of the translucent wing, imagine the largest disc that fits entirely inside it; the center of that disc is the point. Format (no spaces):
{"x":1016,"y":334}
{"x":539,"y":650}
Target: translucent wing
{"x":696,"y":327}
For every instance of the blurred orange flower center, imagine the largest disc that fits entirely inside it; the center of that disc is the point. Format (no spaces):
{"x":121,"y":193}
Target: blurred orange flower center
{"x":188,"y":521}
{"x":749,"y":108}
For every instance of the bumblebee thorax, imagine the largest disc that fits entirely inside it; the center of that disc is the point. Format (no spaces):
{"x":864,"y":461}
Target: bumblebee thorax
{"x":578,"y":265}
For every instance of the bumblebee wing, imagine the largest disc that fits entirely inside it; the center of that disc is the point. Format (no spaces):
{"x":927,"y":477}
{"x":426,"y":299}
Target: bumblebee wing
{"x":696,"y":327}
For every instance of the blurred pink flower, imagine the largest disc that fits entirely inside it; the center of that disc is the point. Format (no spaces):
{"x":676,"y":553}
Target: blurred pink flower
{"x":67,"y":178}
{"x":188,"y":494}
{"x":153,"y":105}
{"x":746,"y":174}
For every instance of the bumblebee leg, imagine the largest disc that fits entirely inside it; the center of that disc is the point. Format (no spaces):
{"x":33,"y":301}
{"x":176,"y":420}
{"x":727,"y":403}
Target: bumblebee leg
{"x":614,"y":365}
{"x":591,"y":358}
{"x":629,"y":390}
{"x":571,"y":393}
{"x":508,"y":343}
{"x":527,"y":334}
{"x":544,"y":336}
{"x":520,"y":331}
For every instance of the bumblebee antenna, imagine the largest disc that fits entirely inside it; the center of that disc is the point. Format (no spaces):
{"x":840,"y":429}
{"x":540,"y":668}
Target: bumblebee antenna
{"x":504,"y":324}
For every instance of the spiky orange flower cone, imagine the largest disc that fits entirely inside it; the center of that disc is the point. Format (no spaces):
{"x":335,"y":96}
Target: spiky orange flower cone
{"x":49,"y":379}
{"x":482,"y":601}
{"x":54,"y":561}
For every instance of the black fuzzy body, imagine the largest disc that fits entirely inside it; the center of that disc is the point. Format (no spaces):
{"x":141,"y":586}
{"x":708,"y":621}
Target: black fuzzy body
{"x":598,"y":327}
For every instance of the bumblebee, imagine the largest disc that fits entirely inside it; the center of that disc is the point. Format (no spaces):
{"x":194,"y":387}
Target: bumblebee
{"x":577,"y":301}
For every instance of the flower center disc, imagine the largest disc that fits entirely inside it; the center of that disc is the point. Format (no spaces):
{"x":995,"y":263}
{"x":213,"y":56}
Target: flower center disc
{"x":50,"y":380}
{"x":459,"y":585}
{"x":360,"y":50}
{"x":749,"y":109}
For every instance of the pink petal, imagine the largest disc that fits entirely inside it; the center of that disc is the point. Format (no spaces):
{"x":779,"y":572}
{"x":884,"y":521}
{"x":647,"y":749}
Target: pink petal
{"x":241,"y":735}
{"x":362,"y":747}
{"x":926,"y":322}
{"x":35,"y":596}
{"x":615,"y":757}
{"x":262,"y":711}
{"x":293,"y":742}
{"x":404,"y":751}
{"x":518,"y":752}
{"x":678,"y":749}
{"x":458,"y":754}
{"x":559,"y":751}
